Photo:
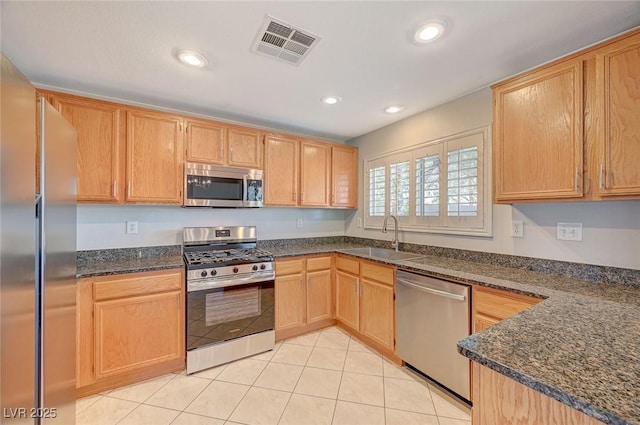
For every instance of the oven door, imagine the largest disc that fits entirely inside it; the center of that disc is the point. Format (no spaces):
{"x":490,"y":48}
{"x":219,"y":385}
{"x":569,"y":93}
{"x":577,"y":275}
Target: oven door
{"x":222,"y":314}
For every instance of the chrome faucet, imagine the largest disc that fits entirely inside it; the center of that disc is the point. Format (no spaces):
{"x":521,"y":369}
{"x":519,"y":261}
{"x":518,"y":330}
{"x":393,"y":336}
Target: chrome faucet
{"x":394,"y":242}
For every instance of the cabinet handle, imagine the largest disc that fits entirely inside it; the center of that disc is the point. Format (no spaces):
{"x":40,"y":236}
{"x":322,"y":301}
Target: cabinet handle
{"x":576,"y":183}
{"x":114,"y":189}
{"x":129,"y":189}
{"x":295,"y":196}
{"x":601,"y":177}
{"x":302,"y":196}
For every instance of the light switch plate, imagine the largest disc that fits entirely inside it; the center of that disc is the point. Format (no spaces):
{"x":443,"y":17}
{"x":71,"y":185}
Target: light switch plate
{"x":358,"y":222}
{"x":299,"y":223}
{"x":569,"y":232}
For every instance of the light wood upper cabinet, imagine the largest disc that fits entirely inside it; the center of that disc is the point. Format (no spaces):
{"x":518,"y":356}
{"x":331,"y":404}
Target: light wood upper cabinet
{"x":281,"y":165}
{"x":309,"y":173}
{"x":154,"y":157}
{"x":538,"y":134}
{"x":344,"y":177}
{"x":206,"y":141}
{"x":618,"y":99}
{"x":100,"y":127}
{"x":245,"y":148}
{"x":315,"y":174}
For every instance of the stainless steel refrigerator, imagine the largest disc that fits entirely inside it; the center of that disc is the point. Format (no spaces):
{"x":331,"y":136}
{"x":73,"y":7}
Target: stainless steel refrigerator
{"x":37,"y":257}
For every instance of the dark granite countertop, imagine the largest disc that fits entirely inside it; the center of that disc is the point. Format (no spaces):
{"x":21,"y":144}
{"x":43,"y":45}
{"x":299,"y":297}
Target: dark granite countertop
{"x":128,"y":260}
{"x":580,"y":345}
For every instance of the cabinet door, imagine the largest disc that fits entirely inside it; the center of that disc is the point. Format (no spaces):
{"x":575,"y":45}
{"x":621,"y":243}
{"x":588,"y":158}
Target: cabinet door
{"x":281,"y":170}
{"x":538,"y":126}
{"x":344,"y":177}
{"x":482,"y":322}
{"x":290,"y":301}
{"x":347,"y":297}
{"x":154,"y":158}
{"x":319,"y":299}
{"x":100,"y":148}
{"x":131,"y":333}
{"x":377,"y":319}
{"x":245,"y":148}
{"x":206,"y":141}
{"x":618,"y":86}
{"x":315,"y":174}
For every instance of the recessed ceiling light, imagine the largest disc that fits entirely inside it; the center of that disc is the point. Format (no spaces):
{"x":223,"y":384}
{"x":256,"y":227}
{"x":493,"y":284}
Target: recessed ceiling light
{"x":394,"y":109}
{"x":331,"y":100}
{"x":430,"y":31}
{"x":191,"y":58}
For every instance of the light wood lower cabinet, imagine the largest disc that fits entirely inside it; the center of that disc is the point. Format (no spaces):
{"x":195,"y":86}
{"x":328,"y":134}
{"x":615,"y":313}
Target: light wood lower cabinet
{"x":499,"y":400}
{"x":304,"y":295}
{"x":130,"y":328}
{"x":347,"y":297}
{"x":365,"y":302}
{"x":492,"y":305}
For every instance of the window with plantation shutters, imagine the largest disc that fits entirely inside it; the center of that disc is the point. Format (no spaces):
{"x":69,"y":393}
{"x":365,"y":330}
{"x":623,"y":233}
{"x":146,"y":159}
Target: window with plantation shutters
{"x":377,"y":192}
{"x":439,"y":186}
{"x":399,"y":189}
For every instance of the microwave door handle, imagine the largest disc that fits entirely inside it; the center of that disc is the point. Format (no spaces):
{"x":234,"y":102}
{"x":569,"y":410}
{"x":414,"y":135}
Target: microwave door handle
{"x":245,"y":189}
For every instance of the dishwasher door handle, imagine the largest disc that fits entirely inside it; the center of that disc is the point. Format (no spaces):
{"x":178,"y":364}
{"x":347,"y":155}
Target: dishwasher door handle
{"x":432,"y":291}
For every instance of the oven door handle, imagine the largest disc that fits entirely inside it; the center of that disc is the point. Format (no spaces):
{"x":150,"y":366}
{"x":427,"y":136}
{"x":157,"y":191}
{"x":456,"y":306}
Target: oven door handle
{"x":213,"y":284}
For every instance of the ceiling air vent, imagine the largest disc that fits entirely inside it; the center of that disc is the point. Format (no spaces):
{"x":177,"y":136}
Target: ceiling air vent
{"x":284,"y":42}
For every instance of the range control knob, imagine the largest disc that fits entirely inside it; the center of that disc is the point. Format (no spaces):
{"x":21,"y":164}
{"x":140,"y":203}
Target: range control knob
{"x":214,"y":272}
{"x":235,"y":270}
{"x":254,"y":268}
{"x":203,"y":273}
{"x":262,"y":266}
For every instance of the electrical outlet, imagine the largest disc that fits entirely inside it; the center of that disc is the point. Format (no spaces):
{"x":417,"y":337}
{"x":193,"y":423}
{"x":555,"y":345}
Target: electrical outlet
{"x":132,"y":227}
{"x":358,"y":222}
{"x":517,"y":229}
{"x":299,"y":223}
{"x":569,"y":232}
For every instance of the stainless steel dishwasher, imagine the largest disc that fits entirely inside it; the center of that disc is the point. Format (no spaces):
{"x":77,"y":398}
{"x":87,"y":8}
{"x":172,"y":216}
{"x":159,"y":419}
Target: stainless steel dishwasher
{"x":432,"y":315}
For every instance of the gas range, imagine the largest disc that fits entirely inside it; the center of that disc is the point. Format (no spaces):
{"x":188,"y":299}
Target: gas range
{"x":223,"y":256}
{"x":230,"y":298}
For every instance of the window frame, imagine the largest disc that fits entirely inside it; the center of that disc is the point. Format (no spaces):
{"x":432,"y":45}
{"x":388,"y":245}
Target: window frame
{"x":480,"y":225}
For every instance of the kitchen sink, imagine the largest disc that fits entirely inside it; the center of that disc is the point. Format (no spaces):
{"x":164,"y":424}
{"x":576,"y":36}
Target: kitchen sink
{"x":382,"y":253}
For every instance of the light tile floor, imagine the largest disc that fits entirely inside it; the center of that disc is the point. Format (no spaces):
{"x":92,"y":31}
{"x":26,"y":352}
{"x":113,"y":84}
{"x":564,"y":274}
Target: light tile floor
{"x":322,"y":378}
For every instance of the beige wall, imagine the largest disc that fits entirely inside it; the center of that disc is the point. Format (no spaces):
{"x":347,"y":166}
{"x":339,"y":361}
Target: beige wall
{"x":611,"y":230}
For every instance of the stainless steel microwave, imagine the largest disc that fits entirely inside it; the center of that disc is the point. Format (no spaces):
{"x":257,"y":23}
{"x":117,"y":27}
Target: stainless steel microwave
{"x":207,"y":185}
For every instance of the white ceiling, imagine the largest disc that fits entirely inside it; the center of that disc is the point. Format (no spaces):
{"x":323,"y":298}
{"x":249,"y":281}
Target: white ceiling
{"x":124,"y":50}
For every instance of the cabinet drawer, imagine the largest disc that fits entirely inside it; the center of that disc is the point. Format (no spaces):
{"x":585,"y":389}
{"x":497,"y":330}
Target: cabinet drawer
{"x":501,"y":305}
{"x":284,"y":267}
{"x":318,"y":263}
{"x":348,"y":265}
{"x":137,"y":284}
{"x":378,"y":272}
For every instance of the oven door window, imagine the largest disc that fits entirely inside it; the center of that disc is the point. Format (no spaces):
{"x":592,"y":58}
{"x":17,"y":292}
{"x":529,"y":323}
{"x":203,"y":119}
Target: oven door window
{"x":217,"y":315}
{"x":207,"y":187}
